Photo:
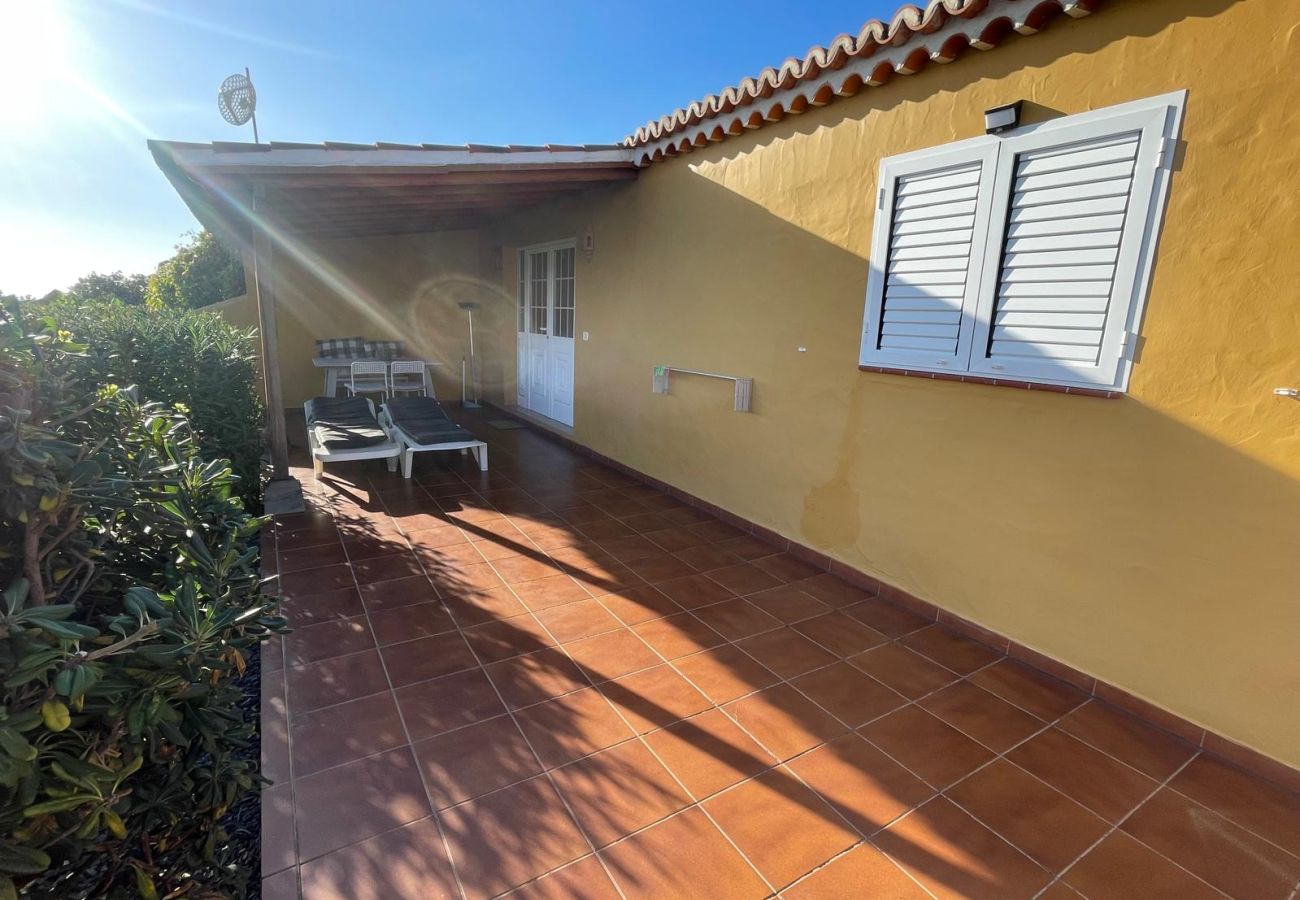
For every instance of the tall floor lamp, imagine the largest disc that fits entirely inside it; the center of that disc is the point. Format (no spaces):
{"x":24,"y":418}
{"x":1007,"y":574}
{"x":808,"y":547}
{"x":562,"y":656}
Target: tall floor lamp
{"x":466,"y":400}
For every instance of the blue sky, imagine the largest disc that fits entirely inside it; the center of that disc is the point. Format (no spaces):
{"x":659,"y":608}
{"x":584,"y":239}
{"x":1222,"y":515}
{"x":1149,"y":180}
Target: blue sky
{"x":83,"y":84}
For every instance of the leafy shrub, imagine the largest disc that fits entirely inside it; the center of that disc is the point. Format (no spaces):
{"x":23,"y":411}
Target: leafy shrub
{"x":178,"y":356}
{"x":203,"y":271}
{"x":130,"y":602}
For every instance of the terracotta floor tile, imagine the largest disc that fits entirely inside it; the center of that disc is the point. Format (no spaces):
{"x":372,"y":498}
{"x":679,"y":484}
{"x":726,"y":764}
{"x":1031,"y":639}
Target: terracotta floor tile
{"x":275,"y":728}
{"x":506,"y":638}
{"x":705,"y":864}
{"x":504,"y":839}
{"x":426,"y":658}
{"x":336,"y":680}
{"x":409,"y":622}
{"x":782,"y":826}
{"x":708,"y":752}
{"x":672,"y":537}
{"x":1213,"y":848}
{"x":1150,"y":750}
{"x":572,"y":726}
{"x":618,"y":791}
{"x":715,"y":531}
{"x":468,"y":762}
{"x":1120,"y":868}
{"x":467,"y":579}
{"x":1059,"y":890}
{"x":310,"y":609}
{"x":861,"y":783}
{"x":862,"y":872}
{"x":577,"y":620}
{"x":745,"y":578}
{"x":1029,"y":689}
{"x":934,"y":750}
{"x":441,"y":563}
{"x":1258,"y":806}
{"x":678,"y":635}
{"x":480,"y":607}
{"x":706,"y":557}
{"x":607,"y":528}
{"x":327,"y":640}
{"x":278,"y":848}
{"x":629,"y":547}
{"x":1107,"y":787}
{"x":889,"y":619}
{"x":990,"y":720}
{"x":315,"y":581}
{"x":273,"y":654}
{"x":583,"y":880}
{"x":786,"y":652}
{"x":833,"y":590}
{"x":647,"y":523}
{"x":410,"y":861}
{"x":612,"y":654}
{"x":663,"y":566}
{"x":452,"y":701}
{"x":553,"y":590}
{"x":654,"y":698}
{"x":517,"y":569}
{"x":784,"y":721}
{"x":949,"y":649}
{"x":788,"y":603}
{"x":786,"y":567}
{"x":955,"y":856}
{"x":736,"y":619}
{"x":357,"y":801}
{"x":747,"y":547}
{"x":281,"y":886}
{"x":368,"y":546}
{"x":634,"y":605}
{"x":314,"y":557}
{"x":692,"y":591}
{"x":328,"y":737}
{"x":725,"y":673}
{"x":849,"y":694}
{"x":1044,"y":823}
{"x":840,"y":634}
{"x":536,"y":677}
{"x":909,"y":673}
{"x":385,"y":595}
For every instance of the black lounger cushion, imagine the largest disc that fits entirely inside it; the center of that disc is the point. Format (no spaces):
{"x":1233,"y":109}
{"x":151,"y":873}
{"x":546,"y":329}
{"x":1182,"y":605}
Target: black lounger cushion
{"x":344,"y":423}
{"x":424,"y":422}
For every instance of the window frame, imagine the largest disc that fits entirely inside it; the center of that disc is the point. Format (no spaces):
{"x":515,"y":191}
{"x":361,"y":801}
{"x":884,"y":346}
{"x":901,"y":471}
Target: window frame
{"x":1159,"y":121}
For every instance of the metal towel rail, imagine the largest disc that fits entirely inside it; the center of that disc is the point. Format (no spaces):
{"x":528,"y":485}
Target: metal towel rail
{"x":744,"y":386}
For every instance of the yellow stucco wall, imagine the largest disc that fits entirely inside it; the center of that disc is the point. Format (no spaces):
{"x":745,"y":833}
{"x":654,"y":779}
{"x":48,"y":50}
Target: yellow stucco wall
{"x":1153,"y":540}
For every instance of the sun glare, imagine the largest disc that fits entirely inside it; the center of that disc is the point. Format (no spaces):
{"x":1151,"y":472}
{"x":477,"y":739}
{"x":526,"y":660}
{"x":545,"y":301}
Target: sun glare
{"x":34,"y":60}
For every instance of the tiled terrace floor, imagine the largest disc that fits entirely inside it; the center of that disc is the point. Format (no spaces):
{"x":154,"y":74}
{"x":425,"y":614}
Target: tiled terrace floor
{"x":550,"y":680}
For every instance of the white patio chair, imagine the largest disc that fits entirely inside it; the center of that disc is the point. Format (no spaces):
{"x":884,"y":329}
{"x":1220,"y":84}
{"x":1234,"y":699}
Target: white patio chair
{"x":368,"y":378}
{"x":409,"y":376}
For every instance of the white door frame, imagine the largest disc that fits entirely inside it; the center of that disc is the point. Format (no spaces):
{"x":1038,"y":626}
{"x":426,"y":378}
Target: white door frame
{"x":544,"y":353}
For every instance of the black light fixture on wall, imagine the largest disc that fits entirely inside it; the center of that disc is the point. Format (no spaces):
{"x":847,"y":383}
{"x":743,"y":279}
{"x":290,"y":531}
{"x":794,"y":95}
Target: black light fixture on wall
{"x":1002,"y":118}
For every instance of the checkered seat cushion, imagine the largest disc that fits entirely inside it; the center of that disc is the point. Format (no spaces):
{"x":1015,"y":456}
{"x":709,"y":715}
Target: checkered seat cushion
{"x":341,"y":348}
{"x":385,"y":349}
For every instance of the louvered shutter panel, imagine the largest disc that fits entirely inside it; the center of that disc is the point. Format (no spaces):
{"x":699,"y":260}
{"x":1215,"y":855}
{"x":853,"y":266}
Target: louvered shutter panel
{"x":928,"y":246}
{"x":1061,"y":278}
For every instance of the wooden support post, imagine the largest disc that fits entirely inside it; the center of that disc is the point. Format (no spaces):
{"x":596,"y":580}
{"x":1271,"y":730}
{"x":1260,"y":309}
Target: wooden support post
{"x":265,"y":290}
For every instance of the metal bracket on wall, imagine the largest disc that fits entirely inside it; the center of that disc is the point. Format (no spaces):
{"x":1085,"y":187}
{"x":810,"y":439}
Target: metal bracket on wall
{"x":744,"y":386}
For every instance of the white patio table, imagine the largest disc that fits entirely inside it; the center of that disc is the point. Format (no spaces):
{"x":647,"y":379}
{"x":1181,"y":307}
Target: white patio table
{"x":336,"y":366}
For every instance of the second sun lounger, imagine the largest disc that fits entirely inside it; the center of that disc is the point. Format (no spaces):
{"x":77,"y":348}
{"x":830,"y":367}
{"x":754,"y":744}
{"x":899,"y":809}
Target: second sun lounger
{"x":419,"y":424}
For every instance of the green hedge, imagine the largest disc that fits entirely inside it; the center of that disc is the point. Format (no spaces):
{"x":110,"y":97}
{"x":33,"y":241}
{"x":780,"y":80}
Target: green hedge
{"x":177,"y":356}
{"x":130,"y":601}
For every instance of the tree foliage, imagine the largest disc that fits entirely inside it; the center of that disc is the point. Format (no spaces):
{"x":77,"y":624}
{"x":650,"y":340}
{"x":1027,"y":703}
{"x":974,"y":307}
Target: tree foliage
{"x":126,"y":289}
{"x":203,"y":271}
{"x":130,"y":600}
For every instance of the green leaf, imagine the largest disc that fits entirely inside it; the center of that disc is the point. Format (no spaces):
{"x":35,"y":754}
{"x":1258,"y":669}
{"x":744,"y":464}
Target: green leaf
{"x":19,"y":860}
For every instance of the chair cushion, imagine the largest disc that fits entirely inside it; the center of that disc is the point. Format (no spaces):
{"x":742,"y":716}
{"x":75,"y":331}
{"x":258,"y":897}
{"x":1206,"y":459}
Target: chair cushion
{"x":343,"y":423}
{"x":385,"y":349}
{"x":341,"y":348}
{"x":425,"y":422}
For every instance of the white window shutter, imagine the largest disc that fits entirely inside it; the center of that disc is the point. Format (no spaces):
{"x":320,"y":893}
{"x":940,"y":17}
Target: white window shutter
{"x":1066,"y":262}
{"x":929,"y":243}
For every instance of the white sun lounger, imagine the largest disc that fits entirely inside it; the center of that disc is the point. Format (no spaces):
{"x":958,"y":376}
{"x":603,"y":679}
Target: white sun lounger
{"x":354,"y":425}
{"x":418,"y":424}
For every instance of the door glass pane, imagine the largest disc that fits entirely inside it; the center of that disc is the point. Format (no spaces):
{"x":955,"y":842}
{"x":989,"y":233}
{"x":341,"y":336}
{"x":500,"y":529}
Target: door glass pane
{"x":523,"y":274}
{"x":564,"y":292}
{"x":537,"y":275}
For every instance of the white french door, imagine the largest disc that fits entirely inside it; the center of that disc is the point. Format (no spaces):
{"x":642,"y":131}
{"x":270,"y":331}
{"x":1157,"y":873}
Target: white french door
{"x":547,"y":314}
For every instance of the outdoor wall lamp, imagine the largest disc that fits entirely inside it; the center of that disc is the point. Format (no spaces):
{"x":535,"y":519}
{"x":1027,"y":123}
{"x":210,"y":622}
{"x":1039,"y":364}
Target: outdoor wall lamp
{"x":1002,"y":118}
{"x":589,"y":243}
